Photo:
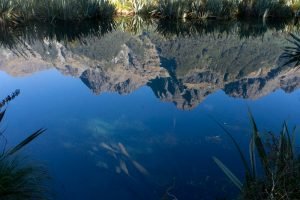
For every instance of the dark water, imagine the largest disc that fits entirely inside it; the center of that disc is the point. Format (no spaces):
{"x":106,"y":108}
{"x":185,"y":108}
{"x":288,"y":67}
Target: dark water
{"x":128,"y":105}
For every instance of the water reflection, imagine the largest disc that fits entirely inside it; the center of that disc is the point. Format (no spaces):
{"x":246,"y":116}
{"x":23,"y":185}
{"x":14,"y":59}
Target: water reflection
{"x":20,"y":38}
{"x":145,"y":149}
{"x":228,"y":56}
{"x":20,"y":179}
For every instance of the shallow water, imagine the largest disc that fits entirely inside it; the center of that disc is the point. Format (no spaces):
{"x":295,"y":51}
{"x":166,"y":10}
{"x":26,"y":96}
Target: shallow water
{"x":129,"y":109}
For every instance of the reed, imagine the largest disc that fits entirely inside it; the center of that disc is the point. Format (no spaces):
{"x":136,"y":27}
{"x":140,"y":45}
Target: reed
{"x":19,"y":179}
{"x":280,"y":165}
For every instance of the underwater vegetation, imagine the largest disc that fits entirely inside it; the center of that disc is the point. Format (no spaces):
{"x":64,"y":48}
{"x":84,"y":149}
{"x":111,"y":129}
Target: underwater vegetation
{"x":279,"y":173}
{"x":19,"y":179}
{"x":120,"y":153}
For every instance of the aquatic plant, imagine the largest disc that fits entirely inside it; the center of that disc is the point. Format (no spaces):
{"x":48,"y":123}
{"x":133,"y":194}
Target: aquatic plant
{"x":279,"y":163}
{"x":20,"y":180}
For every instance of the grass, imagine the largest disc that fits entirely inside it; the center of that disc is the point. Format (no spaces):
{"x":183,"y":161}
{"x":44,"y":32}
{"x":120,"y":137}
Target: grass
{"x":269,"y":8}
{"x":201,"y":9}
{"x":19,"y":179}
{"x":14,"y":12}
{"x":18,"y":11}
{"x":279,"y":175}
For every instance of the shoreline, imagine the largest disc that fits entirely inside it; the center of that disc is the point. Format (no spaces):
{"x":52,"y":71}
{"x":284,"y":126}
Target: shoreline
{"x":76,"y":11}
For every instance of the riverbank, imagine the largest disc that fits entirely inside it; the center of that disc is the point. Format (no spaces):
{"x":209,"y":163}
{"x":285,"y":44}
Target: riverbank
{"x":14,"y":12}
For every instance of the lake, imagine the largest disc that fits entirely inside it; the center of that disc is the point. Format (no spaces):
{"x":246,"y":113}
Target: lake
{"x":130,"y":106}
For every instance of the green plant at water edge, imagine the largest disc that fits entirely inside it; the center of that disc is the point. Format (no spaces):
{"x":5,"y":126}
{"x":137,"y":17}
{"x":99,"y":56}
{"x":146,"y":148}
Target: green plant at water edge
{"x":280,"y":178}
{"x":72,"y":10}
{"x":20,"y":180}
{"x":49,"y":10}
{"x":173,"y":9}
{"x":134,"y":24}
{"x":8,"y":16}
{"x":264,"y":8}
{"x":222,"y":8}
{"x":292,"y":53}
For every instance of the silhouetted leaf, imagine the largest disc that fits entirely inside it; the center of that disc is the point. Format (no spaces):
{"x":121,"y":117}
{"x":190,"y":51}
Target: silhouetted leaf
{"x":259,"y":145}
{"x":2,"y":115}
{"x":252,"y":157}
{"x":25,"y":142}
{"x":229,"y":174}
{"x":236,"y":145}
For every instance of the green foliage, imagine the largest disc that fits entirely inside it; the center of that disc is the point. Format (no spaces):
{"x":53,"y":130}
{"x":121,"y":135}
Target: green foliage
{"x":196,"y":9}
{"x":20,"y":180}
{"x":8,"y":16}
{"x":17,"y":11}
{"x":173,"y":9}
{"x":295,"y":5}
{"x":199,"y":9}
{"x":279,"y":161}
{"x":222,"y":8}
{"x":50,"y":10}
{"x":259,"y":8}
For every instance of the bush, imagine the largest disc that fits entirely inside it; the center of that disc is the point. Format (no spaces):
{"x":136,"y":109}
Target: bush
{"x":50,"y":10}
{"x":222,"y":8}
{"x":173,"y":9}
{"x":257,"y":8}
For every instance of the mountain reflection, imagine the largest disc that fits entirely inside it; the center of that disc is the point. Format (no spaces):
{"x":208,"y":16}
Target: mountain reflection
{"x":182,"y":63}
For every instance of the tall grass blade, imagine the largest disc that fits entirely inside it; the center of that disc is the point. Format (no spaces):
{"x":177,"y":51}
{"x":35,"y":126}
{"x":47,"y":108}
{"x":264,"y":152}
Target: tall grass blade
{"x":25,"y":142}
{"x":252,"y":157}
{"x":290,"y":150}
{"x":259,"y":145}
{"x":229,"y":174}
{"x":2,"y":115}
{"x":236,"y":145}
{"x":293,"y":136}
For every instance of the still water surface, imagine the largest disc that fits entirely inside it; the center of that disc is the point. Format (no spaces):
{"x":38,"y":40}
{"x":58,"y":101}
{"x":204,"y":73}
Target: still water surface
{"x":128,"y":109}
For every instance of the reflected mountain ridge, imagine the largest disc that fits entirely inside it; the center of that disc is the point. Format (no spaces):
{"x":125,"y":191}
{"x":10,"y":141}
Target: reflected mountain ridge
{"x":181,"y":67}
